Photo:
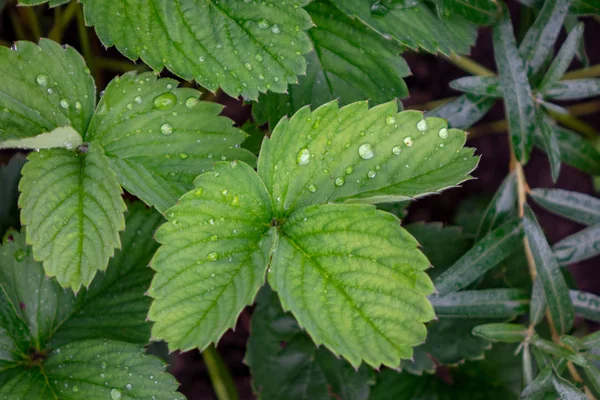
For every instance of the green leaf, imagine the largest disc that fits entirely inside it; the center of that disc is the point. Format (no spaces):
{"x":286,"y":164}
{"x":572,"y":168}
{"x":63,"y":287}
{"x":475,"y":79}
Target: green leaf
{"x":487,"y":303}
{"x":285,"y":363}
{"x":486,"y":254}
{"x":518,"y":100}
{"x":583,"y":7}
{"x":357,"y":154}
{"x":350,"y":62}
{"x":592,"y":378}
{"x":244,"y":47}
{"x":586,"y":304}
{"x":575,"y":206}
{"x":501,"y":208}
{"x":538,"y":43}
{"x":44,"y":87}
{"x":500,"y":332}
{"x":158,"y":137}
{"x":543,"y":382}
{"x":214,"y":257}
{"x":9,"y":182}
{"x":482,"y":12}
{"x":488,"y":86}
{"x":64,"y":136}
{"x":359,"y":289}
{"x":571,"y":22}
{"x":538,"y":302}
{"x":555,"y":288}
{"x":579,"y":246}
{"x":415,"y":27}
{"x":464,"y":111}
{"x":575,"y":89}
{"x":551,"y":146}
{"x":591,"y":341}
{"x":566,"y":390}
{"x":71,"y":203}
{"x":564,"y":57}
{"x":574,"y":150}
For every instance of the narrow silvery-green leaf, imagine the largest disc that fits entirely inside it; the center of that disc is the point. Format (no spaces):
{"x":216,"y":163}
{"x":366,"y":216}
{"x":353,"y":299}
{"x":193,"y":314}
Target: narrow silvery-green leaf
{"x":64,"y":136}
{"x":518,"y":100}
{"x":538,"y":43}
{"x":574,"y":150}
{"x":488,"y":86}
{"x":485,"y":254}
{"x":507,"y":333}
{"x":501,"y":207}
{"x":555,"y":287}
{"x":552,"y":107}
{"x":527,"y":362}
{"x":571,"y":22}
{"x":575,"y":89}
{"x":591,"y":341}
{"x":575,"y":206}
{"x":464,"y":111}
{"x":579,"y":246}
{"x":586,"y":304}
{"x":486,"y":303}
{"x":558,"y":350}
{"x":564,"y":57}
{"x":550,"y":141}
{"x":566,"y":390}
{"x":543,"y":382}
{"x":592,"y":378}
{"x":538,"y":304}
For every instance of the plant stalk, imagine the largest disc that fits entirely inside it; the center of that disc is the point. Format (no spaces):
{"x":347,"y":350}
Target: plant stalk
{"x":219,"y":375}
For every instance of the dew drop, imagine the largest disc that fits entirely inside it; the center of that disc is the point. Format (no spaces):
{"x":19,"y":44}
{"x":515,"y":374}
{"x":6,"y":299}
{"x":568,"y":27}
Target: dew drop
{"x":422,"y":125}
{"x":165,"y":101}
{"x":312,"y":188}
{"x":78,"y":106}
{"x":371,"y":174}
{"x":339,"y":181}
{"x":129,"y":386}
{"x":365,"y":151}
{"x":64,"y":103}
{"x":275,"y":29}
{"x":397,"y":150}
{"x":263,"y":24}
{"x":303,"y":157}
{"x":408,"y":141}
{"x":75,"y":389}
{"x":138,"y":99}
{"x":42,"y":79}
{"x":183,"y":156}
{"x":224,"y":192}
{"x":19,"y":255}
{"x":349,"y":170}
{"x":115,"y":394}
{"x":211,"y":257}
{"x":103,"y":365}
{"x":248,"y":66}
{"x":166,"y":129}
{"x":443,"y":133}
{"x":390,"y":120}
{"x":192,"y":102}
{"x":235,"y":200}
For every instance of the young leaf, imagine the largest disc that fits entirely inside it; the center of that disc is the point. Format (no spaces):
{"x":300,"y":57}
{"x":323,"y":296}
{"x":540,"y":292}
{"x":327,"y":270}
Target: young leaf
{"x":464,"y":111}
{"x":575,"y":89}
{"x":564,"y":57}
{"x":9,"y":182}
{"x":579,"y":246}
{"x":551,"y":146}
{"x":566,"y":390}
{"x":507,"y":333}
{"x":487,"y":303}
{"x":44,"y":87}
{"x":350,"y":62}
{"x":586,"y":304}
{"x":356,"y":154}
{"x":285,"y":363}
{"x":232,"y":44}
{"x":415,"y":27}
{"x":501,"y":207}
{"x":486,"y":254}
{"x":71,"y":204}
{"x":555,"y":288}
{"x":488,"y":86}
{"x":575,"y":206}
{"x":574,"y":150}
{"x":158,"y":137}
{"x":518,"y":100}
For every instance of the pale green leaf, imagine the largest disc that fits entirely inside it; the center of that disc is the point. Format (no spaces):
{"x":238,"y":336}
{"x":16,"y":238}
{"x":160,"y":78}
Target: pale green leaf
{"x":551,"y":146}
{"x":214,"y":256}
{"x":571,"y":22}
{"x":44,"y":87}
{"x":285,"y":363}
{"x":488,"y":86}
{"x":355,"y":154}
{"x":464,"y":111}
{"x":579,"y":246}
{"x":575,"y":89}
{"x":538,"y":305}
{"x":486,"y":303}
{"x":586,"y":304}
{"x":501,"y":332}
{"x":592,"y":378}
{"x":71,"y":204}
{"x":501,"y":208}
{"x":63,"y":136}
{"x":566,"y":390}
{"x":158,"y":137}
{"x":591,"y":341}
{"x":574,"y":150}
{"x":575,"y":206}
{"x":543,"y":382}
{"x":555,"y":287}
{"x":564,"y":57}
{"x":350,"y":62}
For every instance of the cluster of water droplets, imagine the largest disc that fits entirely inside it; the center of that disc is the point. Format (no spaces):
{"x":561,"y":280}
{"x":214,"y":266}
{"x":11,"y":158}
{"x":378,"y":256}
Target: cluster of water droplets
{"x":44,"y":81}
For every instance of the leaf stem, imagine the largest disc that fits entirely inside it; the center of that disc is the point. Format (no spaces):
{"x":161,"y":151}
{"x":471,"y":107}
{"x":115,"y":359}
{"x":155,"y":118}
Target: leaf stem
{"x":589,"y":72}
{"x":84,"y":42}
{"x":62,"y":20}
{"x":219,"y":375}
{"x":15,"y":21}
{"x":470,"y":66}
{"x":34,"y":23}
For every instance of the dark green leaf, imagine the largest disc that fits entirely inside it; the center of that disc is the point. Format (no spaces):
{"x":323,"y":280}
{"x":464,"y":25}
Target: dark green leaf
{"x":591,"y":341}
{"x":481,"y":12}
{"x":579,"y":246}
{"x":592,"y":378}
{"x":500,"y":332}
{"x":464,"y":111}
{"x":550,"y":144}
{"x":543,"y":382}
{"x":538,"y":302}
{"x":558,"y":350}
{"x":564,"y":57}
{"x":586,"y":304}
{"x":501,"y":208}
{"x":575,"y":206}
{"x":575,"y":89}
{"x":479,"y":85}
{"x":487,"y":303}
{"x":574,"y":150}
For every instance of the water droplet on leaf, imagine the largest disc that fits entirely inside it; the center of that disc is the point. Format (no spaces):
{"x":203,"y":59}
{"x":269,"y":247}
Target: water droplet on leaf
{"x":365,"y":151}
{"x":303,"y":157}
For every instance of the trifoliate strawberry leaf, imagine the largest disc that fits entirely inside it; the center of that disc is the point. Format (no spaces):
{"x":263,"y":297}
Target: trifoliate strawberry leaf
{"x":350,"y":62}
{"x":71,"y":204}
{"x":285,"y":363}
{"x":159,"y":138}
{"x":357,"y":154}
{"x":243,"y":46}
{"x":214,"y":256}
{"x":44,"y":87}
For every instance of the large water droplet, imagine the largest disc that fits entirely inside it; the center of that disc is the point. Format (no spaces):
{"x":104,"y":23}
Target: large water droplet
{"x":371,"y":174}
{"x":390,"y":119}
{"x":422,"y":125}
{"x":339,"y":181}
{"x":408,"y":141}
{"x":365,"y":151}
{"x":275,"y":29}
{"x":165,"y":101}
{"x":138,"y":99}
{"x":397,"y":150}
{"x":42,"y":79}
{"x":443,"y":133}
{"x":64,"y":103}
{"x":303,"y":157}
{"x":166,"y":129}
{"x":312,"y":188}
{"x":211,"y":257}
{"x":192,"y":102}
{"x":129,"y":386}
{"x":115,"y":394}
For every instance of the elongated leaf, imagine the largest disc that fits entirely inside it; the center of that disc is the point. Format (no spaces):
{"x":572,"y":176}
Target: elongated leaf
{"x":488,"y":86}
{"x":285,"y":363}
{"x":550,"y":141}
{"x":586,"y":304}
{"x":350,"y":62}
{"x":579,"y":246}
{"x":159,"y":138}
{"x":43,"y":88}
{"x":543,"y":382}
{"x":486,"y":254}
{"x":213,"y":259}
{"x":574,"y":150}
{"x":592,"y":378}
{"x":591,"y":341}
{"x":415,"y":27}
{"x":464,"y":111}
{"x":518,"y":100}
{"x":9,"y":181}
{"x":501,"y":208}
{"x":538,"y":302}
{"x":507,"y":333}
{"x":361,"y":155}
{"x":566,"y":390}
{"x":482,"y":12}
{"x":245,"y":47}
{"x":489,"y":303}
{"x":575,"y":206}
{"x":564,"y":57}
{"x":538,"y":43}
{"x":571,"y":21}
{"x":359,"y":289}
{"x":575,"y":89}
{"x":71,"y":203}
{"x":555,"y":288}
{"x":61,"y":137}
